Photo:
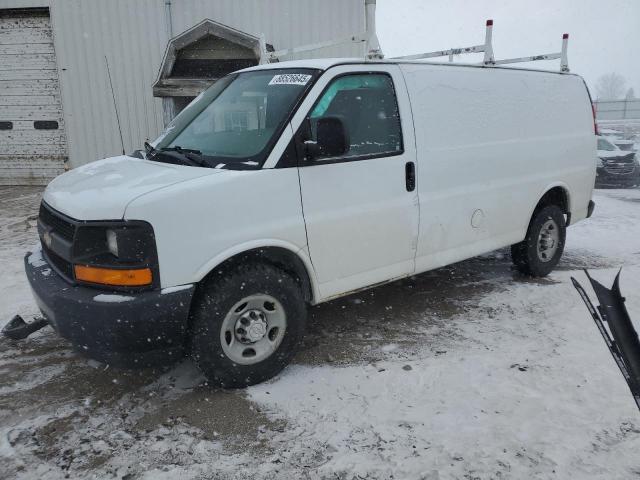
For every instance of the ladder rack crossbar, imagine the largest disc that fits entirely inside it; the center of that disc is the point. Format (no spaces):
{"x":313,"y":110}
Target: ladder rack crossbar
{"x":534,"y":58}
{"x":316,"y":46}
{"x":443,"y":53}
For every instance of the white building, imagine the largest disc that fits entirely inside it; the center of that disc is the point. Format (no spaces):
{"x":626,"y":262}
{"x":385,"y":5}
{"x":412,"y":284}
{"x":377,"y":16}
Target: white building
{"x":57,"y":57}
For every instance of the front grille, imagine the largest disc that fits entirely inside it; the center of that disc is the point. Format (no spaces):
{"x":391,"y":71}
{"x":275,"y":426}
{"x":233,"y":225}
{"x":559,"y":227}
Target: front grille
{"x":619,"y":168}
{"x":61,"y":266}
{"x":56,"y":223}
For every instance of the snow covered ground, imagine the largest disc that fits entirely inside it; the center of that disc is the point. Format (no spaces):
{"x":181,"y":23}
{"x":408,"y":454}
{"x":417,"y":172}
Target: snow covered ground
{"x":468,"y":372}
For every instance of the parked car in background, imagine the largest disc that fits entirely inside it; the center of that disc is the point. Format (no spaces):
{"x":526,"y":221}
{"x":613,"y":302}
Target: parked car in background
{"x":616,"y":168}
{"x":618,"y":139}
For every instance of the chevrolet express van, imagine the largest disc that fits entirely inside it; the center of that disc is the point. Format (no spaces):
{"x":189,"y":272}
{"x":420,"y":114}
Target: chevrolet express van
{"x":289,"y":184}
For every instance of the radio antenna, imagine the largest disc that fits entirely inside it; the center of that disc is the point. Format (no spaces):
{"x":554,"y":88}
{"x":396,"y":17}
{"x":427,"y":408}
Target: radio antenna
{"x":115,"y":105}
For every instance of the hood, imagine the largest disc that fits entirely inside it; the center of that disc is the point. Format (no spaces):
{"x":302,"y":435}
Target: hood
{"x":607,"y":154}
{"x":616,"y":155}
{"x":102,"y":190}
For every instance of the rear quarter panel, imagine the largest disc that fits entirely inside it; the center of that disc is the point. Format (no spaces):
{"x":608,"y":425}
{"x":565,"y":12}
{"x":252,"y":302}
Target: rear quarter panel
{"x":494,"y":140}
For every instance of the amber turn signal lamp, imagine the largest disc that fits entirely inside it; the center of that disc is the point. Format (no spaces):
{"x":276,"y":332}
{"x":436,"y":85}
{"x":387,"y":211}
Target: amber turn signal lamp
{"x":107,"y":276}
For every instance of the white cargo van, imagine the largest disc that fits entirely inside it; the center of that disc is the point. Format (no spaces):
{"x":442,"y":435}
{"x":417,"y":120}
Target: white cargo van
{"x":289,"y":184}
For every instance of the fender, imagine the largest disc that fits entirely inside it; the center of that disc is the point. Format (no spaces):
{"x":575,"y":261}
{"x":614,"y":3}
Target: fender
{"x":301,"y":253}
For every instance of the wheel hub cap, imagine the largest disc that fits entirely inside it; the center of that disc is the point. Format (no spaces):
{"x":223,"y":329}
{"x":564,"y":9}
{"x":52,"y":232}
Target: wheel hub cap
{"x":548,"y":241}
{"x":251,"y":327}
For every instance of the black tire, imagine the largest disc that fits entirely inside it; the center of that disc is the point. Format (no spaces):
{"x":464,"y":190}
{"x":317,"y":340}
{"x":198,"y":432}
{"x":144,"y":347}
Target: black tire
{"x":218,"y":295}
{"x":525,"y":254}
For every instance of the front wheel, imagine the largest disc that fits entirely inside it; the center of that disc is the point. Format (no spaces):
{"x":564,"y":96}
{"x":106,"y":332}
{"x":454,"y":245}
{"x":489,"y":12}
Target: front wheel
{"x":247,"y":323}
{"x":540,"y":251}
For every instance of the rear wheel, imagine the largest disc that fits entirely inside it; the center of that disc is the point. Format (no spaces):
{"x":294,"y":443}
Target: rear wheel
{"x":539,"y":253}
{"x":247,"y":323}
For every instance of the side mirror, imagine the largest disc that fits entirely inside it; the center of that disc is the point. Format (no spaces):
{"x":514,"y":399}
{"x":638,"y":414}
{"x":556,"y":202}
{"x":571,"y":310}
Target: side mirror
{"x":332,"y":138}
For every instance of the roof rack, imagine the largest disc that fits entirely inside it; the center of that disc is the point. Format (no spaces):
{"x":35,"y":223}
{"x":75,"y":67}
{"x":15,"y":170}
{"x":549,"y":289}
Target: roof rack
{"x":487,"y":49}
{"x":374,"y":52}
{"x":368,"y":37}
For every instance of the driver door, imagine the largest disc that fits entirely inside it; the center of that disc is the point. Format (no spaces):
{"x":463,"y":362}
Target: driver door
{"x":361,"y":208}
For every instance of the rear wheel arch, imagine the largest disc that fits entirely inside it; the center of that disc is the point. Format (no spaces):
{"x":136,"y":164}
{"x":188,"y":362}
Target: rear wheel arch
{"x":557,"y":195}
{"x":554,"y":205}
{"x":540,"y":251}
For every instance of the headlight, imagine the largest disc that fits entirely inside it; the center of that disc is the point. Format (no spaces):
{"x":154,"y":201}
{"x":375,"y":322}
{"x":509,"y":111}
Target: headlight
{"x":600,"y":163}
{"x":112,"y":242}
{"x":119,"y":254}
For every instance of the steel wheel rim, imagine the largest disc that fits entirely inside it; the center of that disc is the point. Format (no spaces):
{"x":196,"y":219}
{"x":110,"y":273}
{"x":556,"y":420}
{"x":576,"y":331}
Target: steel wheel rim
{"x":253,"y":329}
{"x":548,"y":241}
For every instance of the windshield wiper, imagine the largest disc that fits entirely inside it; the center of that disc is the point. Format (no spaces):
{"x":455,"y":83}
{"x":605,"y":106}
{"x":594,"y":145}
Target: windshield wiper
{"x":186,"y":156}
{"x":194,"y":156}
{"x":179,"y":149}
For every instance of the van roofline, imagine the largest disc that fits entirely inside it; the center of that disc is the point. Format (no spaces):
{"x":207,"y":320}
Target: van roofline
{"x":327,"y":63}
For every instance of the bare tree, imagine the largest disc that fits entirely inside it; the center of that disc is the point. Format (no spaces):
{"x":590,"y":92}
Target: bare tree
{"x":630,"y":94}
{"x":610,"y":87}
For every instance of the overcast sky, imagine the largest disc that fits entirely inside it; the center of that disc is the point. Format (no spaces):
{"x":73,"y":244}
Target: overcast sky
{"x":604,"y":34}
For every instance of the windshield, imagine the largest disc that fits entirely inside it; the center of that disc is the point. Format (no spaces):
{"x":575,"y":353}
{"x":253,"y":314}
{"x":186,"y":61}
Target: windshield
{"x":605,"y":145}
{"x":235,"y":123}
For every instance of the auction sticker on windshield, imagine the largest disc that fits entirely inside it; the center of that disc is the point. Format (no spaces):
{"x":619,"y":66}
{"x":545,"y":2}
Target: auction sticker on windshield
{"x":290,"y":79}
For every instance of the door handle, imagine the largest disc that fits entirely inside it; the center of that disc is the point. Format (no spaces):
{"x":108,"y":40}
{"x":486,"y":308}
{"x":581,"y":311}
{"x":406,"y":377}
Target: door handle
{"x":410,"y":176}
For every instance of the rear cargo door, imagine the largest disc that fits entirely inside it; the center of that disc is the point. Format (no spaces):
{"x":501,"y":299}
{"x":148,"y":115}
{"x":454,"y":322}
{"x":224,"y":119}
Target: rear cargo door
{"x":361,"y":209}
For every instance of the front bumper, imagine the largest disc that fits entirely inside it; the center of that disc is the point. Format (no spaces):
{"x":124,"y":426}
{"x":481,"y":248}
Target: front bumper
{"x":123,"y":329}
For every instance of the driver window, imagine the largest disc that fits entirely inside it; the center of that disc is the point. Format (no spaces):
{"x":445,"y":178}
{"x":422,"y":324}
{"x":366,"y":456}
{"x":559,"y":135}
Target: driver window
{"x":366,"y":104}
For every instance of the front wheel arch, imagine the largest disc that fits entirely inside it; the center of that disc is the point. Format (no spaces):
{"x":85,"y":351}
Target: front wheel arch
{"x":278,"y":257}
{"x":213,"y":350}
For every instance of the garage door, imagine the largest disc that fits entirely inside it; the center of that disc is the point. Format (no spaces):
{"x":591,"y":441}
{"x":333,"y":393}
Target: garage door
{"x":33,"y":146}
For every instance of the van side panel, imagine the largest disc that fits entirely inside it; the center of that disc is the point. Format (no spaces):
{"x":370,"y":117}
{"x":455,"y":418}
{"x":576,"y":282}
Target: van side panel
{"x":490,"y":143}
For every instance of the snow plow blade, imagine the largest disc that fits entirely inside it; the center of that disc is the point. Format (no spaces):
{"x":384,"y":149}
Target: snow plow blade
{"x":621,"y":338}
{"x":18,"y":329}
